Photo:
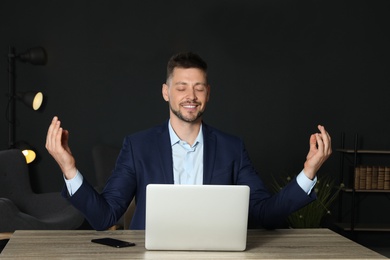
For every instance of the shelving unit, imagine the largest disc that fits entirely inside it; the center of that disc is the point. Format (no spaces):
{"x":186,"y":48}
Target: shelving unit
{"x":355,"y":193}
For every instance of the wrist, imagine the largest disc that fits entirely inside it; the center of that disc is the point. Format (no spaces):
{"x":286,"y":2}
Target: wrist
{"x":310,"y":173}
{"x":70,"y":173}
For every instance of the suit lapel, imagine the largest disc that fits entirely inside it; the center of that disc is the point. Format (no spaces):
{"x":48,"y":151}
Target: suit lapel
{"x":165,"y":153}
{"x":209,"y":151}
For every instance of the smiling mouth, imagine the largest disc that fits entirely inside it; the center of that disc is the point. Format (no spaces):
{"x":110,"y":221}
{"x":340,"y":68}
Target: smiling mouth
{"x":190,"y":106}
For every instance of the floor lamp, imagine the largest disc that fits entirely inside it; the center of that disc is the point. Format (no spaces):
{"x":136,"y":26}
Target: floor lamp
{"x":35,"y":56}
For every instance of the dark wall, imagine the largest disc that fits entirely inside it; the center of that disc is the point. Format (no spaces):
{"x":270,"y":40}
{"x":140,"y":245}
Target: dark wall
{"x":277,"y":69}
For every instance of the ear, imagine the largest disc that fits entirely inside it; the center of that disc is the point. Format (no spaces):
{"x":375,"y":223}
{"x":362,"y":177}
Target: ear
{"x":164,"y":91}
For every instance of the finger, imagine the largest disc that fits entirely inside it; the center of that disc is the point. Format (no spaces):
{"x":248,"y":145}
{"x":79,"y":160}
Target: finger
{"x":312,"y":146}
{"x":64,"y":138}
{"x":320,"y":142}
{"x":326,"y":139}
{"x":313,"y":142}
{"x":55,"y":138}
{"x":324,"y":133}
{"x":50,"y":131}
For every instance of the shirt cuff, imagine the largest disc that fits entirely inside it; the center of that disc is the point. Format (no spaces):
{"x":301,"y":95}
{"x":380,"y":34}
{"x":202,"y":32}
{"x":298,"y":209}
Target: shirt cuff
{"x":305,"y":183}
{"x":74,"y":184}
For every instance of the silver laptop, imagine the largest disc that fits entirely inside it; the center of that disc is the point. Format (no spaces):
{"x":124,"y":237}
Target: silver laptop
{"x":196,"y":217}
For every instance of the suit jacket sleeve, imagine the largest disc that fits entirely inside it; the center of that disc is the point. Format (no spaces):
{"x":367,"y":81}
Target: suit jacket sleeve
{"x":105,"y":209}
{"x":145,"y":157}
{"x":267,"y":210}
{"x":227,"y":162}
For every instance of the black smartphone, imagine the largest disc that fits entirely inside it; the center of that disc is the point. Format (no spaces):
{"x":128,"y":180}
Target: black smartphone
{"x":112,"y":242}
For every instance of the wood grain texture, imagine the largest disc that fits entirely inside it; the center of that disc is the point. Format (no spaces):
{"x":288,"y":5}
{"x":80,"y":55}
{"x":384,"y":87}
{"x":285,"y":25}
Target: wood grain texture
{"x":261,"y":244}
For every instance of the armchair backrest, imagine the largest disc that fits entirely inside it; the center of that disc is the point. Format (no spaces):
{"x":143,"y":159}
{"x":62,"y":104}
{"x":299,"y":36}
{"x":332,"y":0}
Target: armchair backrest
{"x":104,"y":158}
{"x":14,"y":175}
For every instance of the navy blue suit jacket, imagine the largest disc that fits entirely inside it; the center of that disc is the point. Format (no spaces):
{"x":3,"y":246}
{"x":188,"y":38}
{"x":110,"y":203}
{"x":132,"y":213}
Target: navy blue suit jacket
{"x":146,"y":157}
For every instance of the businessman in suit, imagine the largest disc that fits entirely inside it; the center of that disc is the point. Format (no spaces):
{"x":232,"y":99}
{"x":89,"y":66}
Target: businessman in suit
{"x":183,"y":150}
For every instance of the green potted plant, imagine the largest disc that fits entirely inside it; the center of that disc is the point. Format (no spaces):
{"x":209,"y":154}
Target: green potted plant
{"x":312,"y":215}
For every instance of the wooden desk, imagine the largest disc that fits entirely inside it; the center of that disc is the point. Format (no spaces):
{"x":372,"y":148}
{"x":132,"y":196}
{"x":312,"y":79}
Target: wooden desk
{"x":261,"y":244}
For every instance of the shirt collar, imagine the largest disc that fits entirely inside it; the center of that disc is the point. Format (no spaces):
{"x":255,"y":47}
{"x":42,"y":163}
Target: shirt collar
{"x":175,"y":139}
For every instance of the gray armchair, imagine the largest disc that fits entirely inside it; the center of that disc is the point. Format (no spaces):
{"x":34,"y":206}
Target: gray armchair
{"x":21,"y":208}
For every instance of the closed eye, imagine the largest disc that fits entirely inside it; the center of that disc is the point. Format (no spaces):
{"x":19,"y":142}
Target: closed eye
{"x":200,"y":87}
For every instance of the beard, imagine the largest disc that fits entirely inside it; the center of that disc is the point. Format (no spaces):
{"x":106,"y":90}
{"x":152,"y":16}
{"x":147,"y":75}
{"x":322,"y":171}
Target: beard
{"x":189,"y":119}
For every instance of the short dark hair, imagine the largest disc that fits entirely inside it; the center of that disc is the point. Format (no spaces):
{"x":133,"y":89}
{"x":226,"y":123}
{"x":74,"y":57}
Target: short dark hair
{"x":185,"y":60}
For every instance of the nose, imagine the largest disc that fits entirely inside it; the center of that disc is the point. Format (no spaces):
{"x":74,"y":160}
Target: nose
{"x":192,"y":94}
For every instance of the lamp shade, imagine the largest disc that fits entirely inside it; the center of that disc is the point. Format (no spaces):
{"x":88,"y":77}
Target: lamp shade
{"x":27,"y":151}
{"x":35,"y":56}
{"x":31,"y":99}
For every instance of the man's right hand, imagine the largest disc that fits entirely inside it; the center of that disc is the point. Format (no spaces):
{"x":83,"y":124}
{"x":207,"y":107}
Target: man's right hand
{"x":57,"y":146}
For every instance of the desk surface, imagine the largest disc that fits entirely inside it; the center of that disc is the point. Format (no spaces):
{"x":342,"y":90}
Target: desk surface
{"x":261,"y":244}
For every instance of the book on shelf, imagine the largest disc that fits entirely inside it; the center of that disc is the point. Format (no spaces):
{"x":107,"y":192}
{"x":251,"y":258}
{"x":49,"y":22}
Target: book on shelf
{"x":381,"y":177}
{"x":356,"y":184}
{"x":363,"y":177}
{"x":386,"y":184}
{"x":368,"y":177}
{"x":375,"y":171}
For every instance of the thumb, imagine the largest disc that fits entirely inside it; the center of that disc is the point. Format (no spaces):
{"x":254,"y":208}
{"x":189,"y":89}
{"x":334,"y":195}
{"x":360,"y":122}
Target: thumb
{"x":313,"y":142}
{"x":312,"y":146}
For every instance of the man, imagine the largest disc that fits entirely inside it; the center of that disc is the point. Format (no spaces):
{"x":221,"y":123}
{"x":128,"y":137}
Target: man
{"x":184,"y":150}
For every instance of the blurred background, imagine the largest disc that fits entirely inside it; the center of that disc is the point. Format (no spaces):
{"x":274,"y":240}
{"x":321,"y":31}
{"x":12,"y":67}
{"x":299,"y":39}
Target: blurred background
{"x":277,"y":69}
